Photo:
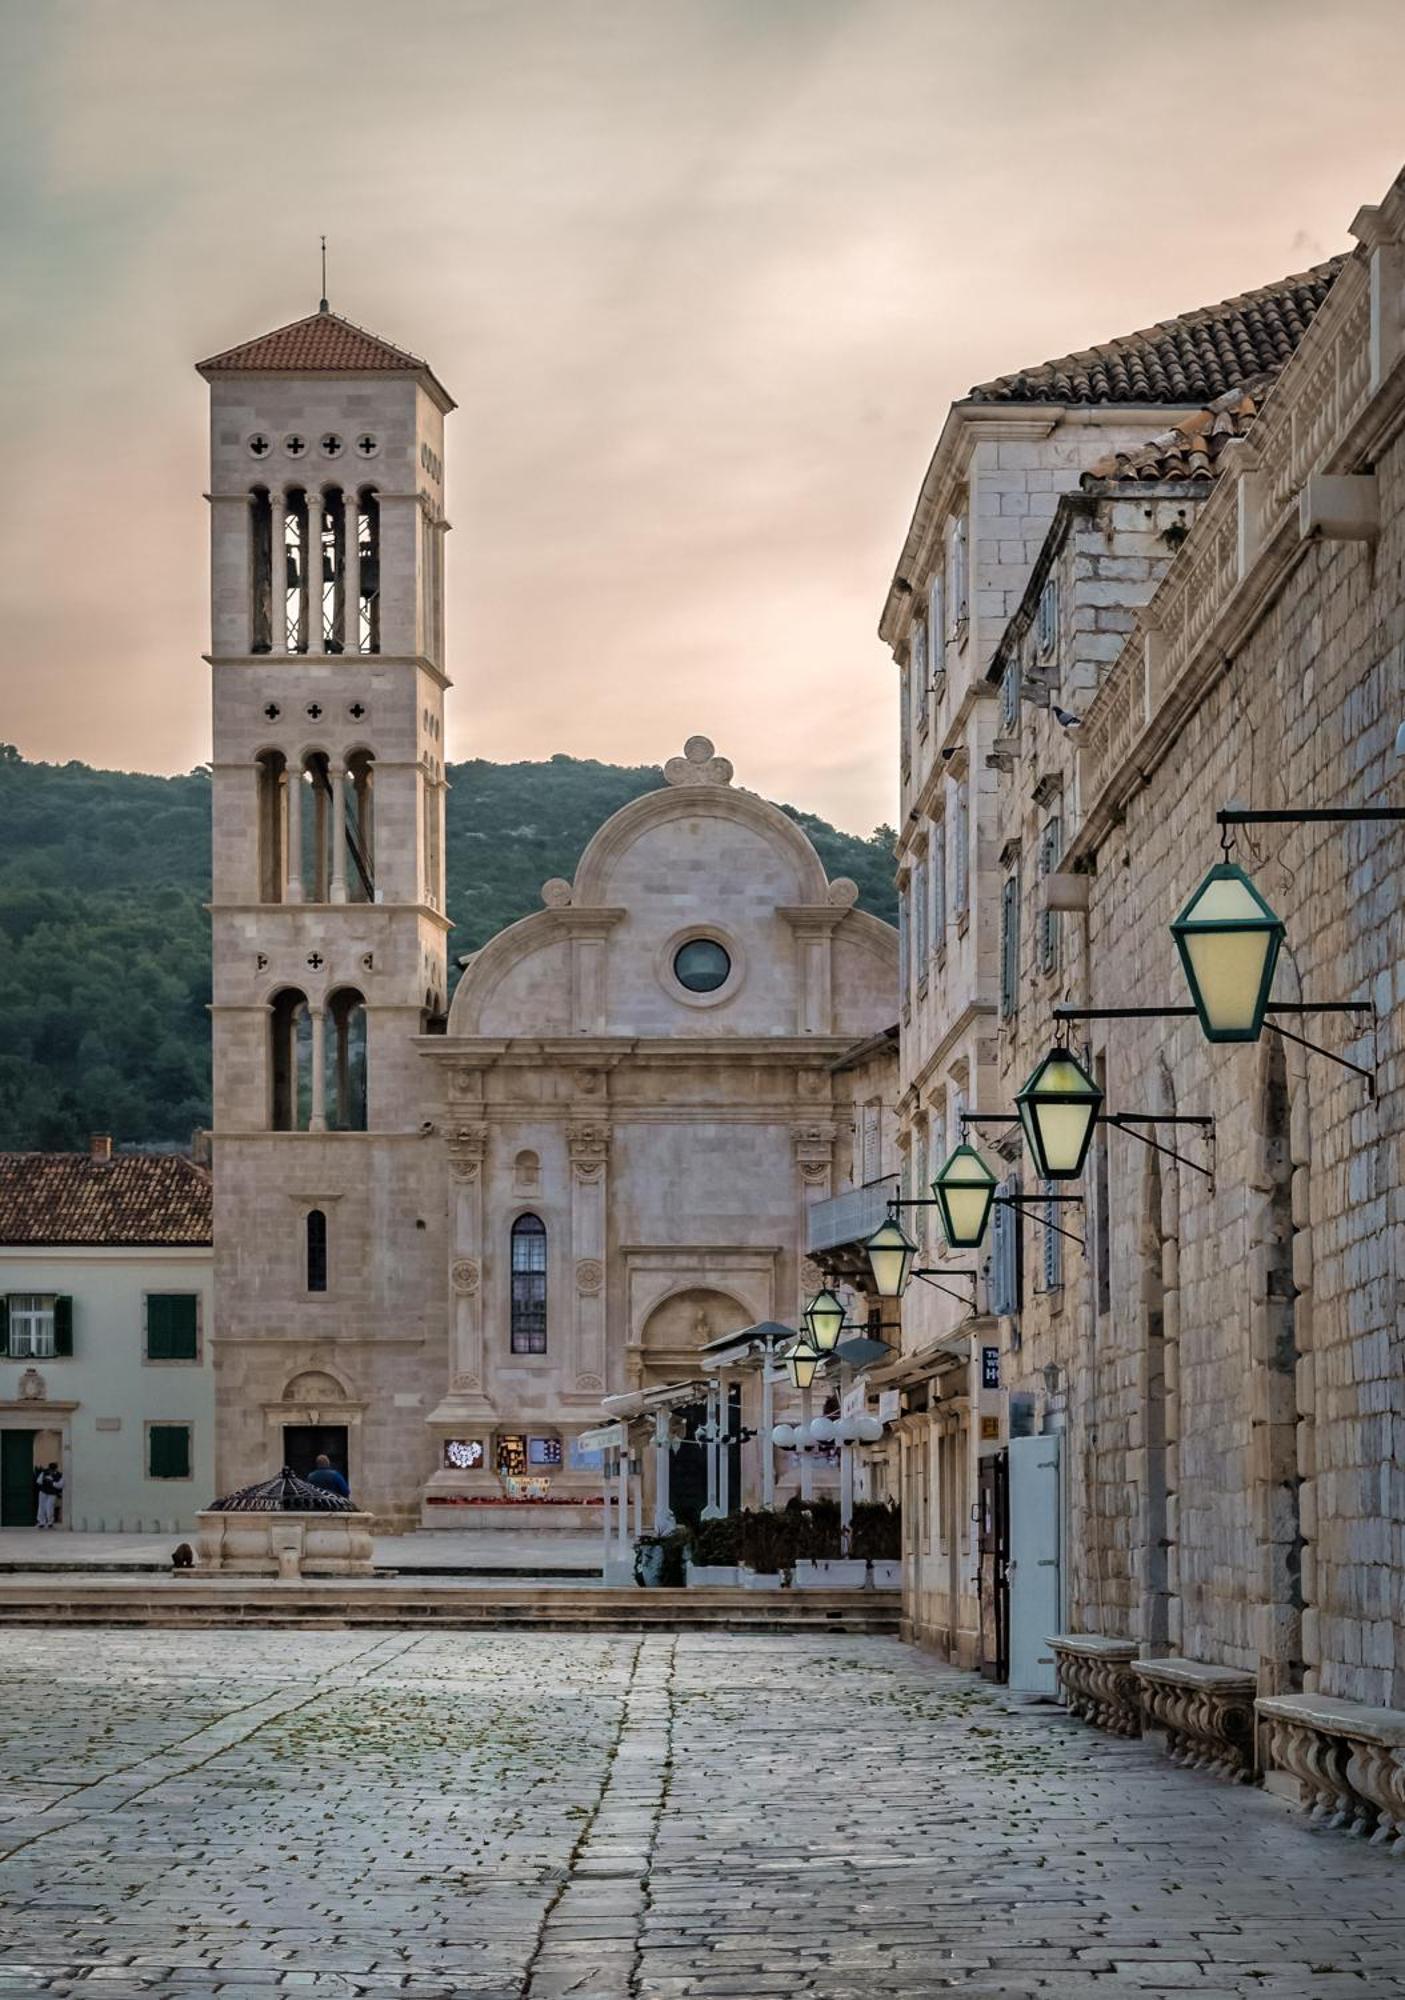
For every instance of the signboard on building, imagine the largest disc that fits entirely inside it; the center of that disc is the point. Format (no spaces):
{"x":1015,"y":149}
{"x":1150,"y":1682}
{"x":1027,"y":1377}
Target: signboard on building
{"x":990,"y":1367}
{"x":890,"y":1405}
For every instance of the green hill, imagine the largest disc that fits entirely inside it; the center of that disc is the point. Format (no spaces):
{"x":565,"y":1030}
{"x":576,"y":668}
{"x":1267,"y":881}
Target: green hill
{"x":105,"y":945}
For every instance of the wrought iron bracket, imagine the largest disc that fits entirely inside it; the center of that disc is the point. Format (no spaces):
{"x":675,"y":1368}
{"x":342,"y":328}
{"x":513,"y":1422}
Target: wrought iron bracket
{"x":1299,"y":1007}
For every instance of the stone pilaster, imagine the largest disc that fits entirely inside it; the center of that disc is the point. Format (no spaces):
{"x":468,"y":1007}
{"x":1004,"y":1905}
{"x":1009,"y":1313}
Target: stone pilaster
{"x":588,"y":1143}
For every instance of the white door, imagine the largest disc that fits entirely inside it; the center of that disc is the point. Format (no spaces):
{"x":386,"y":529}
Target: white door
{"x":1034,"y":1561}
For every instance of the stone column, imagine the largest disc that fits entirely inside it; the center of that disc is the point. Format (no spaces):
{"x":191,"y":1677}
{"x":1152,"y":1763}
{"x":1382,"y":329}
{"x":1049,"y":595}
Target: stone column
{"x":711,"y":1511}
{"x":468,"y":1145}
{"x":807,"y":1458}
{"x":351,"y":572}
{"x":588,"y":1143}
{"x":768,"y":1417}
{"x":293,"y":889}
{"x":317,"y":1121}
{"x":664,"y":1520}
{"x":337,"y":778}
{"x":277,"y":571}
{"x":312,"y":569}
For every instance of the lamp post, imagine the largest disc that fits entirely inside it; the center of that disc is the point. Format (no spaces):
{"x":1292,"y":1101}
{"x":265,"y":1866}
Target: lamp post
{"x":1058,"y":1108}
{"x":965,"y":1194}
{"x":1229,"y":939}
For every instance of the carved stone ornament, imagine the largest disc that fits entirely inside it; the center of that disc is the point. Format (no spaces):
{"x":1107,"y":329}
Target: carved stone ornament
{"x":814,"y":1152}
{"x":464,"y":1275}
{"x":467,"y":1145}
{"x":590,"y":1276}
{"x":589,"y":1147}
{"x":465,"y":1385}
{"x":32,"y":1386}
{"x":465,"y":1082}
{"x":590,"y":1385}
{"x":699,"y":765}
{"x":557,"y":893}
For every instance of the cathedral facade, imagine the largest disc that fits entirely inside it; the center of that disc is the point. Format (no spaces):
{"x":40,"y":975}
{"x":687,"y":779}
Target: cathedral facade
{"x":444,"y":1231}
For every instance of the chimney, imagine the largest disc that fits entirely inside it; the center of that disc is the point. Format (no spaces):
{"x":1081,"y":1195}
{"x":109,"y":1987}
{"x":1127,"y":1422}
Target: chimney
{"x":200,"y":1147}
{"x":100,"y":1149}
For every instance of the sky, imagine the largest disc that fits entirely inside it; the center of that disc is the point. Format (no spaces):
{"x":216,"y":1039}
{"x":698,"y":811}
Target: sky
{"x":702,"y":275}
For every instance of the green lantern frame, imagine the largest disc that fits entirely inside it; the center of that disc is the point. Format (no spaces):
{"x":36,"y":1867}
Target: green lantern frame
{"x":965,"y":1179}
{"x":823,"y":1320}
{"x":803,"y":1362}
{"x":891,"y":1254}
{"x":1257,"y":929}
{"x":1059,"y":1085}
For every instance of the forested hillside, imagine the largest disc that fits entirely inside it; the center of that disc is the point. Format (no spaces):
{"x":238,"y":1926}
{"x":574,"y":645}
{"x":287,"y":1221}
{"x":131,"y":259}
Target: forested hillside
{"x":105,"y":944}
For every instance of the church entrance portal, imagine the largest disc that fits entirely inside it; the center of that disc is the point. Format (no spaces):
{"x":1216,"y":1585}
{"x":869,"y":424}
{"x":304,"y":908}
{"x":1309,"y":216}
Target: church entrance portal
{"x":304,"y":1443}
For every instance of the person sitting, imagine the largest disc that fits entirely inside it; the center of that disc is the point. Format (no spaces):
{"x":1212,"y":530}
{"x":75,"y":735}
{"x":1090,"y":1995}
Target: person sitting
{"x":325,"y":1475}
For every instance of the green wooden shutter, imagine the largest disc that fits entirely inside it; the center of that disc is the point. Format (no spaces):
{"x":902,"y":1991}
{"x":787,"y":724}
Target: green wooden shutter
{"x":4,"y":1324}
{"x":63,"y":1325}
{"x":157,"y":1348}
{"x":168,"y":1451}
{"x":172,"y":1326}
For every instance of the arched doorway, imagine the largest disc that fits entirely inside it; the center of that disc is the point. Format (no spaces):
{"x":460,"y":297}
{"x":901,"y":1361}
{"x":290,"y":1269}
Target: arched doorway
{"x":673,"y":1335}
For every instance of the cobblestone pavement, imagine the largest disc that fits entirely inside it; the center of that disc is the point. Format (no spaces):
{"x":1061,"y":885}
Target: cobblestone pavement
{"x":554,"y":1816}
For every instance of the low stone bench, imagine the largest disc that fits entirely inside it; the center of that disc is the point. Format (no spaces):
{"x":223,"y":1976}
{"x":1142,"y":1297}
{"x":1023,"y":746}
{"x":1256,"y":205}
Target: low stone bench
{"x":1096,"y":1680}
{"x":1342,"y":1762}
{"x":1206,"y":1711}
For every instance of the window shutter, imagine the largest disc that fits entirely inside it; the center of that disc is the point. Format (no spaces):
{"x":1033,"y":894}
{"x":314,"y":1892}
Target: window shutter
{"x":63,"y":1325}
{"x":1000,"y":1260}
{"x":168,"y":1451}
{"x":4,"y":1325}
{"x":1053,"y":1249}
{"x":1009,"y":945}
{"x":937,"y":864}
{"x":1049,"y":851}
{"x":157,"y":1335}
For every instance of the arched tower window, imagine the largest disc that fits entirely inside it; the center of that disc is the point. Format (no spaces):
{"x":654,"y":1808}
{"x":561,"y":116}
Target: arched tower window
{"x":345,"y":1055}
{"x":316,"y":828}
{"x":333,"y":576}
{"x":529,"y":1285}
{"x":272,"y":825}
{"x":361,"y":827}
{"x":290,"y":1061}
{"x":260,"y":571}
{"x":316,"y":1250}
{"x":368,"y":537}
{"x":313,"y":568}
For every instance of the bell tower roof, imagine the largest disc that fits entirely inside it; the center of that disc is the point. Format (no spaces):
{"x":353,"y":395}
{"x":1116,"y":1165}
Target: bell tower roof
{"x":324,"y":344}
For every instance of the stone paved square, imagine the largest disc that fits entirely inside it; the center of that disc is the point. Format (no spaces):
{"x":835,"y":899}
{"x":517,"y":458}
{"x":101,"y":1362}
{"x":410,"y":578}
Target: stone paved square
{"x":615,"y":1817}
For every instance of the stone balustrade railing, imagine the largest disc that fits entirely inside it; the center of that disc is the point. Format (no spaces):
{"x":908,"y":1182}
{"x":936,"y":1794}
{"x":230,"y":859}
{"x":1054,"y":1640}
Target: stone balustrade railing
{"x":1096,"y":1680}
{"x":1207,"y":1713}
{"x":1345,"y":1761}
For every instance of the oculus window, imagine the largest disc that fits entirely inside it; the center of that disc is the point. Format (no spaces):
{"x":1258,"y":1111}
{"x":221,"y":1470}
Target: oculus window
{"x":702,"y":965}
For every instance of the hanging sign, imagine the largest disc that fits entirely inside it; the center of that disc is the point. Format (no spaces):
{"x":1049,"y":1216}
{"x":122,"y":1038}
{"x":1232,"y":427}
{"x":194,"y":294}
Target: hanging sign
{"x":990,"y":1367}
{"x":890,"y":1405}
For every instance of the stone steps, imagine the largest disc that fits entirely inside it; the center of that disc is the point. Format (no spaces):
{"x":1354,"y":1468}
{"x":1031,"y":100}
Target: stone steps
{"x":130,"y":1600}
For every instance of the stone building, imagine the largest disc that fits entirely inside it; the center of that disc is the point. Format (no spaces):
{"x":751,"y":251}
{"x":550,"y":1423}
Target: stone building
{"x":105,"y":1365}
{"x":442,"y":1234}
{"x":1006,"y":455}
{"x":1222,"y":1356}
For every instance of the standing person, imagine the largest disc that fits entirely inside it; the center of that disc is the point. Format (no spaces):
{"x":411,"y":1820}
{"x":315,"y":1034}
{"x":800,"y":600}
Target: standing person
{"x":325,"y":1475}
{"x":49,"y":1481}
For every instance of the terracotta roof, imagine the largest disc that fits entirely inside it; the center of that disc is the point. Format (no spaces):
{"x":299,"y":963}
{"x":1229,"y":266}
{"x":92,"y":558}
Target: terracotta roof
{"x":322,"y":344}
{"x":1190,"y":359}
{"x":1190,"y":449}
{"x":132,"y":1199}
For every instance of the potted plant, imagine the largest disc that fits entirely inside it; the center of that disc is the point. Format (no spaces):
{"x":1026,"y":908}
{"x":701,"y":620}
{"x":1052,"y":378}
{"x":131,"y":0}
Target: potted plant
{"x":714,"y":1554}
{"x":658,"y":1560}
{"x":877,"y":1535}
{"x":768,"y":1545}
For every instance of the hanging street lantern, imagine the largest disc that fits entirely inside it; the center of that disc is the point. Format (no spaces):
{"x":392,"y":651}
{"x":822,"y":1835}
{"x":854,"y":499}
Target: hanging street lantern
{"x":823,"y":1320}
{"x":802,"y":1360}
{"x":964,"y":1191}
{"x":1058,"y":1108}
{"x":891,"y":1252}
{"x":1229,"y":940}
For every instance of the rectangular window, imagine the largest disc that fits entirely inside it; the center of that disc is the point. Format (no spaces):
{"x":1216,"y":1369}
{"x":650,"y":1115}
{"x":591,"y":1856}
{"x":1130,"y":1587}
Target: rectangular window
{"x":905,"y":719}
{"x":1053,"y":1244}
{"x":936,"y":633}
{"x":904,"y":946}
{"x":1047,"y":628}
{"x":936,"y":868}
{"x":1050,"y":848}
{"x":960,"y":577}
{"x":31,"y":1318}
{"x":917,"y":674}
{"x":168,"y":1451}
{"x":961,"y":852}
{"x":921,"y":1188}
{"x":1010,"y":698}
{"x":1006,"y":1253}
{"x":870,"y":1156}
{"x":1010,"y":946}
{"x":172,"y":1326}
{"x":920,"y":914}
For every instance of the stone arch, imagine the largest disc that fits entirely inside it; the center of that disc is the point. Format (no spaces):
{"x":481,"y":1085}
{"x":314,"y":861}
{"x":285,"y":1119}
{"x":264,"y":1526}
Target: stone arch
{"x":1281,"y":1441}
{"x":641,"y":815}
{"x":316,"y":1385}
{"x":682,"y":1320}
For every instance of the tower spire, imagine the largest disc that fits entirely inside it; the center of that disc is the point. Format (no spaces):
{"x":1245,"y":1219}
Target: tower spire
{"x":322,"y":305}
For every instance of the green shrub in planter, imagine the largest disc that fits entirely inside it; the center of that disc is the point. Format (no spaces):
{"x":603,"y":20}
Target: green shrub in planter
{"x":769,"y":1540}
{"x":717,"y":1544}
{"x":877,"y":1531}
{"x":658,"y":1560}
{"x":817,"y":1537}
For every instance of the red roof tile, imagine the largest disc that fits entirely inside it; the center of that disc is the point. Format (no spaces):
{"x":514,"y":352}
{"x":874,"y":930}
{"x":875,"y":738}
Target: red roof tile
{"x":133,"y":1199}
{"x":1190,"y":359}
{"x":322,"y":344}
{"x":1191,"y":448}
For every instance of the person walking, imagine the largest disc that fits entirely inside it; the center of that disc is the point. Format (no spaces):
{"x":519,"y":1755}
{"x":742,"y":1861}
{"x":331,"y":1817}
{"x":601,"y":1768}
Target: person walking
{"x":49,"y":1481}
{"x":325,"y":1475}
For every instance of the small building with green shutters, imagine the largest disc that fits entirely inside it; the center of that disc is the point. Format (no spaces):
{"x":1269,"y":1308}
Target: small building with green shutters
{"x":105,"y":1362}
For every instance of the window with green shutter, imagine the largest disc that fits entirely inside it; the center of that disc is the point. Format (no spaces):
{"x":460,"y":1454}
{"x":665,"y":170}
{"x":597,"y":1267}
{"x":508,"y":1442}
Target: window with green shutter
{"x":172,"y":1326}
{"x":168,"y":1451}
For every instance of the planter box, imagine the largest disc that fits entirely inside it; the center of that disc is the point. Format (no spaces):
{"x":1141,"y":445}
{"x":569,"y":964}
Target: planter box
{"x":713,"y":1576}
{"x":761,"y":1579}
{"x":836,"y":1573}
{"x":887,"y":1575}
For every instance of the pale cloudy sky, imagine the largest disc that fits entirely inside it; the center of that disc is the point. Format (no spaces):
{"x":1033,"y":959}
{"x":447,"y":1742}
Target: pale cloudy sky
{"x":702,"y":274}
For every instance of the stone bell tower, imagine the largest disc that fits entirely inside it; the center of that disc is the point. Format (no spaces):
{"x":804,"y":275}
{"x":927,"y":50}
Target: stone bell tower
{"x":327,"y":651}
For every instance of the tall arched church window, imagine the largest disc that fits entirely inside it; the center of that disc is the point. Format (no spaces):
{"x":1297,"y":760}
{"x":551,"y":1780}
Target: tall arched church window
{"x":529,"y":1285}
{"x":260,"y":571}
{"x":272,"y":825}
{"x":368,"y":542}
{"x":316,"y":1250}
{"x":361,"y":827}
{"x":316,"y":828}
{"x":345,"y":1052}
{"x":290,"y":1062}
{"x":332,"y":593}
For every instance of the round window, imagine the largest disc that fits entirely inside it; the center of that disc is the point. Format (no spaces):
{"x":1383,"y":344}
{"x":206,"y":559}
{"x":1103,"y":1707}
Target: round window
{"x":702,"y":965}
